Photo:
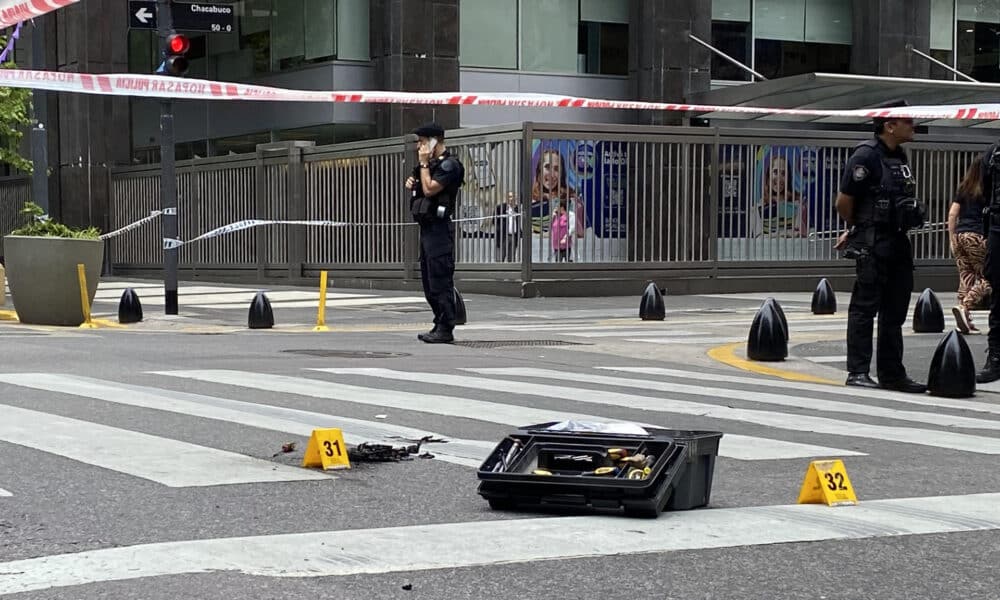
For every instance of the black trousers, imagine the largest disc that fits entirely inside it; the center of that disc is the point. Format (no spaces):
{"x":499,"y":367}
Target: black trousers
{"x":992,"y":272}
{"x":883,"y":287}
{"x":437,"y":271}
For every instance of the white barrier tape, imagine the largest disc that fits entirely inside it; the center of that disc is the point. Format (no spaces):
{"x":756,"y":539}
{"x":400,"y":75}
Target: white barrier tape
{"x":171,"y":243}
{"x":156,"y":86}
{"x":152,"y":216}
{"x":13,"y":12}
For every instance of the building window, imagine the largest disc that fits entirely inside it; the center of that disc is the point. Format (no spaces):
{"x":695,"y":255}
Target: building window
{"x":548,"y":35}
{"x":977,"y":47}
{"x":488,"y":35}
{"x":733,"y":38}
{"x":558,"y":36}
{"x":603,"y":48}
{"x":794,"y":37}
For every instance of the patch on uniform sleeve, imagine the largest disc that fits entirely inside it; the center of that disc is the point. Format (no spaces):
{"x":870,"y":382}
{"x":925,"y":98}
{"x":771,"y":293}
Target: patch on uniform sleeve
{"x":860,"y":173}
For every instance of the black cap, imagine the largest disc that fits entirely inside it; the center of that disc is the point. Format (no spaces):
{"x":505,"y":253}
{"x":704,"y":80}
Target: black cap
{"x":429,"y":130}
{"x":880,"y":122}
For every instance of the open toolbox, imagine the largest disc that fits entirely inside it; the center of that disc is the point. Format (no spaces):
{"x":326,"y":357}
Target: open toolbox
{"x":536,"y":468}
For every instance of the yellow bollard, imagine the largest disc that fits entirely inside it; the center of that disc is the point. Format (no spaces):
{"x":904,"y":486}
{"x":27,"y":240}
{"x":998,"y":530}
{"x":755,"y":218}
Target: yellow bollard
{"x":321,"y":313}
{"x":84,"y":302}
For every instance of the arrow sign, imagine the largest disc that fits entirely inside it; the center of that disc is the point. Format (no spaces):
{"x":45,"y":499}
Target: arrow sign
{"x":143,"y":15}
{"x":211,"y":18}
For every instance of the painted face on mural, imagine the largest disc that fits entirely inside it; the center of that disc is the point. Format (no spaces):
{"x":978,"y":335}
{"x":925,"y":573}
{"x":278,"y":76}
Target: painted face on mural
{"x":778,"y":176}
{"x":551,"y":171}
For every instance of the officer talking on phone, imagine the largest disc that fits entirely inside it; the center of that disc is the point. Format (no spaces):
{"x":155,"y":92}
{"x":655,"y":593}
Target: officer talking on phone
{"x":877,"y":200}
{"x":434,"y":184}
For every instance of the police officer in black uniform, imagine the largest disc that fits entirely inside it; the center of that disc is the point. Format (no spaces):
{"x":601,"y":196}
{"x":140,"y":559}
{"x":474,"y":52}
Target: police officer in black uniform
{"x":877,"y":200}
{"x":991,"y":226}
{"x":435,"y":182}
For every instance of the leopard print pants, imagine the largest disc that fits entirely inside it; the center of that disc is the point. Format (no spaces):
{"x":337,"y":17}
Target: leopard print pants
{"x":970,"y":255}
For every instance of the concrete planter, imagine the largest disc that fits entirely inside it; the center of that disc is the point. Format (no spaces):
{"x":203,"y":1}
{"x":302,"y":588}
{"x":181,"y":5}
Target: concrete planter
{"x":41,"y":274}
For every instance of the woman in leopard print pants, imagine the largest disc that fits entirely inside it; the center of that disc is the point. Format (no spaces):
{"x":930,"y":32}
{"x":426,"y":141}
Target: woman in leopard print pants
{"x":968,"y":245}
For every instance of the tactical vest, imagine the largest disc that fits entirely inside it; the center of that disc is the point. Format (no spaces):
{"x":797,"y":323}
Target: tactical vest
{"x":426,"y":209}
{"x":890,"y":196}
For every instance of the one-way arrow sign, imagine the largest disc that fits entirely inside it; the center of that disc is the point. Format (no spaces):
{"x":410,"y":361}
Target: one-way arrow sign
{"x":216,"y":18}
{"x":144,"y":16}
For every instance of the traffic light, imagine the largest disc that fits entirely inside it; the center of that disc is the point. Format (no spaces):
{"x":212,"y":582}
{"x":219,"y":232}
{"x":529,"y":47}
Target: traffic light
{"x":175,"y":61}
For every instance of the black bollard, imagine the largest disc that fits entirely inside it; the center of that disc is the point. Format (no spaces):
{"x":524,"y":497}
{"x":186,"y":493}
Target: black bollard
{"x":953,"y":371}
{"x":767,"y":340}
{"x":461,"y":316}
{"x":780,"y":313}
{"x":824,"y":301}
{"x":928,"y":317}
{"x":129,"y":308}
{"x":261,"y":315}
{"x":651,"y":307}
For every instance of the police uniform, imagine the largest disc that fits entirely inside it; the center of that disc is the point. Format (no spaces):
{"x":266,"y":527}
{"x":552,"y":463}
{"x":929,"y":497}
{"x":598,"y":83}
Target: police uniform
{"x":879,"y":178}
{"x":437,"y":237}
{"x":991,"y":222}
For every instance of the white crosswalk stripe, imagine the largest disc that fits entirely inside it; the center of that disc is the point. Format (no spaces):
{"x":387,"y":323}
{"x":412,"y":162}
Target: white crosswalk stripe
{"x":275,"y":418}
{"x":5,"y":494}
{"x":853,"y":392}
{"x":165,"y":461}
{"x":456,"y":545}
{"x":778,"y":420}
{"x":732,"y":446}
{"x":787,"y":400}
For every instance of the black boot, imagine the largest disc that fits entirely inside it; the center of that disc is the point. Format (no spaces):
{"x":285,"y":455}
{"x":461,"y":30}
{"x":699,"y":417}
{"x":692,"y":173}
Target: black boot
{"x":991,"y":370}
{"x":421,"y":336}
{"x":860,"y":380}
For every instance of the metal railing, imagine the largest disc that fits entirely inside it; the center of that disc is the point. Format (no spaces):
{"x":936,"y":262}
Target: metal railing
{"x":637,"y":199}
{"x":14,"y":192}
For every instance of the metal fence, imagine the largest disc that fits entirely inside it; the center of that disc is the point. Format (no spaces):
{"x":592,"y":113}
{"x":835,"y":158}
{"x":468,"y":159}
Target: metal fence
{"x":597,"y":198}
{"x":14,"y":192}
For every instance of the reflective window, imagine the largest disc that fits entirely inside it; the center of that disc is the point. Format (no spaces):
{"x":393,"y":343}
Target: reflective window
{"x":549,"y":30}
{"x":731,"y":34}
{"x":488,"y":35}
{"x":793,"y":37}
{"x":977,"y":47}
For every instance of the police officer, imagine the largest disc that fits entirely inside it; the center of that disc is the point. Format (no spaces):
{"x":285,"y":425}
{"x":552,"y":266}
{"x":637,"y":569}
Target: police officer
{"x":876,"y":199}
{"x":991,"y":222}
{"x":435,"y":183}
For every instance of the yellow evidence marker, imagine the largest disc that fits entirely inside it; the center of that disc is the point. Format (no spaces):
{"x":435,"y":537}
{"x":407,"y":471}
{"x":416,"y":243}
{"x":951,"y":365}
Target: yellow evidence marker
{"x":827,"y":483}
{"x":326,"y":449}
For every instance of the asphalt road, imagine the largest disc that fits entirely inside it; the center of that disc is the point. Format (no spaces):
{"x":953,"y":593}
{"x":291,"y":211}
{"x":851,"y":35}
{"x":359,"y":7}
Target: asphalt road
{"x":146,"y":461}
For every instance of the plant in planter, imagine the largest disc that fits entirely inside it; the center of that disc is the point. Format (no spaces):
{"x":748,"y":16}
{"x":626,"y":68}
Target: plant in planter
{"x":42,"y":259}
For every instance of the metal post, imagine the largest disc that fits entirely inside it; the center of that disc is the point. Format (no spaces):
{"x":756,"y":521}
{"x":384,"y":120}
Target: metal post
{"x":727,"y":57}
{"x":168,"y":178}
{"x":39,"y":135}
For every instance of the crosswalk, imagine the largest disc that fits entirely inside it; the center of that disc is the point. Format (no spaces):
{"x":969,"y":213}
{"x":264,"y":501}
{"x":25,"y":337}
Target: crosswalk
{"x":765,"y":422}
{"x":516,"y":397}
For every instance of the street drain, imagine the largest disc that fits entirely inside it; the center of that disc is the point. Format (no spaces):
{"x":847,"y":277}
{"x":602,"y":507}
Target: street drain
{"x":347,"y":353}
{"x":515,"y":343}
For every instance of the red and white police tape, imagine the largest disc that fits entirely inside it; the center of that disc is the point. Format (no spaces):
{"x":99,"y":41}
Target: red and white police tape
{"x":156,"y":86}
{"x":13,"y":12}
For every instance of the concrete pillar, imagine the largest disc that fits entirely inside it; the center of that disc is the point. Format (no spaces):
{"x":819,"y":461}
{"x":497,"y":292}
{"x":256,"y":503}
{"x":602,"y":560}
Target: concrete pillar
{"x":665,"y":65}
{"x":882,"y":29}
{"x":414,"y":46}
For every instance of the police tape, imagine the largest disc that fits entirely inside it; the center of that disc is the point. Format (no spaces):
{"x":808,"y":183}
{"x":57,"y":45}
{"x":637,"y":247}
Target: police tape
{"x":13,"y":12}
{"x":157,"y":86}
{"x":152,"y":217}
{"x":171,"y":243}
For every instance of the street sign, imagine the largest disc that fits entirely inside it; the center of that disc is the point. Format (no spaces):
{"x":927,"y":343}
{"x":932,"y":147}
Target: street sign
{"x":213,"y":18}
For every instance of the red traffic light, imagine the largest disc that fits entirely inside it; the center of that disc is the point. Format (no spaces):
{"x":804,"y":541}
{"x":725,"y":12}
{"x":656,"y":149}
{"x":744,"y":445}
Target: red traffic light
{"x":178,"y":44}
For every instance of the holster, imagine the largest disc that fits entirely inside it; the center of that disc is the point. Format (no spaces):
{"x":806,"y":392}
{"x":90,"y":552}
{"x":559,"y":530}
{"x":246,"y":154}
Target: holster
{"x":860,"y":242}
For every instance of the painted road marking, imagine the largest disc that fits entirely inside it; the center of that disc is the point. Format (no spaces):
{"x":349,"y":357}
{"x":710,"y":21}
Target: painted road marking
{"x":778,"y":420}
{"x":165,"y":461}
{"x":727,"y":356}
{"x":484,"y":543}
{"x":839,"y":390}
{"x":826,"y":359}
{"x":5,"y":494}
{"x":788,"y":400}
{"x":470,"y":453}
{"x":732,"y":446}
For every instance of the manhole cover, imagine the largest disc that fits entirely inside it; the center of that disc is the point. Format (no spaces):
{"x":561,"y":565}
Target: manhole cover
{"x":515,"y":343}
{"x":347,"y":353}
